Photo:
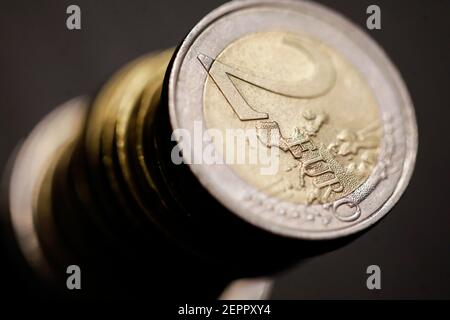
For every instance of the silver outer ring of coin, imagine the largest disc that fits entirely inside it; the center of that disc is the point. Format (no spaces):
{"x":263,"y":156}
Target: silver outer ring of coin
{"x":399,"y":142}
{"x":35,"y":156}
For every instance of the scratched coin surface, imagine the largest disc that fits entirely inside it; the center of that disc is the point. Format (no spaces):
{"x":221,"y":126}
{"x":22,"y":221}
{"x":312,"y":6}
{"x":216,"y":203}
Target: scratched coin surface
{"x":311,"y":124}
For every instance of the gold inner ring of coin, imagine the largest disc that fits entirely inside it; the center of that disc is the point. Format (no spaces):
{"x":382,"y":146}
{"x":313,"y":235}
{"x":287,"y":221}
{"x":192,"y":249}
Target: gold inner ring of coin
{"x":316,"y":120}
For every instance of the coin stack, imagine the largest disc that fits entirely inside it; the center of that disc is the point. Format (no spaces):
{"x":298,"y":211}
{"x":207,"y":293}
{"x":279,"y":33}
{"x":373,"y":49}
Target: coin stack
{"x":112,"y":201}
{"x":106,"y":194}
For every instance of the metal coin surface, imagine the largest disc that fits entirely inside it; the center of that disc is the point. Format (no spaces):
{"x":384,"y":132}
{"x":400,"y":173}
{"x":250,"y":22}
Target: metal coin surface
{"x":36,"y":156}
{"x":330,"y":136}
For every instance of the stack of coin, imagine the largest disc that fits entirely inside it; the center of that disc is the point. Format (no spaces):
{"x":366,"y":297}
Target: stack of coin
{"x":315,"y":91}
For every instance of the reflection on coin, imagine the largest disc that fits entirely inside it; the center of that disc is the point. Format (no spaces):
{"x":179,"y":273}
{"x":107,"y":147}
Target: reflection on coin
{"x":316,"y":90}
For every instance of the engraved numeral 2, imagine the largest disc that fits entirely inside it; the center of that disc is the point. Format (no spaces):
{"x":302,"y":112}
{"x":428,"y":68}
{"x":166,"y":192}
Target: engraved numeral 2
{"x":321,"y":82}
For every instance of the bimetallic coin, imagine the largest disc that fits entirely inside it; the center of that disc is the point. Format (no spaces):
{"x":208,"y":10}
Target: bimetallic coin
{"x":322,"y":99}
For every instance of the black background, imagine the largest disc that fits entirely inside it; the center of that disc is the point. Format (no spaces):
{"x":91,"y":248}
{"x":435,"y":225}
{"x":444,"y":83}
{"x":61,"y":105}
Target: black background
{"x":42,"y":64}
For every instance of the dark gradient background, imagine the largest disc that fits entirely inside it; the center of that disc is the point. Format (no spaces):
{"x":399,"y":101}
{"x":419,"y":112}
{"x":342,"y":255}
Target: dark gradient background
{"x":42,"y":64}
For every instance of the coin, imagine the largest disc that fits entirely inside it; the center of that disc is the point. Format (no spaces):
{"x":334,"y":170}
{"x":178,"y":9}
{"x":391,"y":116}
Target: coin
{"x":318,"y":93}
{"x":37,"y":155}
